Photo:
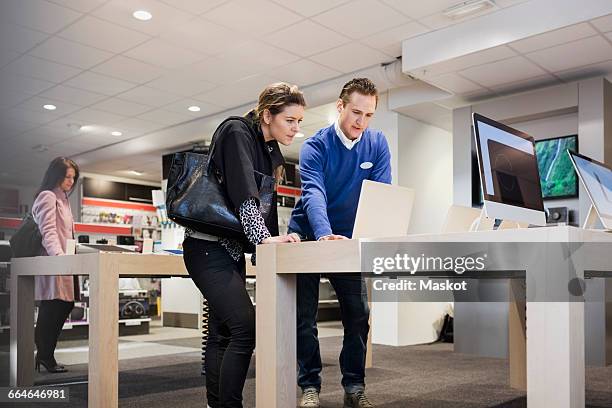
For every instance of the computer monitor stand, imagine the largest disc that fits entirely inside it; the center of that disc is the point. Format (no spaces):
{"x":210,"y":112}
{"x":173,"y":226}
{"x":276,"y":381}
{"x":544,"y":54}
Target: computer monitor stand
{"x":482,"y":223}
{"x":591,"y":220}
{"x":507,"y":224}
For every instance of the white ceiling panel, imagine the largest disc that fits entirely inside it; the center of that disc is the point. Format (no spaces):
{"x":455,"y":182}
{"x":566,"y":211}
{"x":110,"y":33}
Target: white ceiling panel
{"x":304,"y":72}
{"x":18,"y":84}
{"x":25,"y":115}
{"x":455,"y":83}
{"x":237,"y":93}
{"x":11,"y":128}
{"x":243,"y":62}
{"x":90,"y":116}
{"x":194,"y":6}
{"x":163,"y":54}
{"x":182,"y":105}
{"x":6,"y":57}
{"x":20,"y":39}
{"x":164,"y":16}
{"x":37,"y":14}
{"x":430,"y":113}
{"x":164,"y":117}
{"x":181,"y":83}
{"x":102,"y":34}
{"x":471,"y":60}
{"x":204,"y":36}
{"x":35,"y":104}
{"x":121,"y":107}
{"x":149,"y":96}
{"x":43,"y":135}
{"x":41,"y":69}
{"x":129,"y":69}
{"x":253,"y":51}
{"x":9,"y":99}
{"x":390,"y":41}
{"x":361,"y":18}
{"x":552,"y":38}
{"x":252,"y":17}
{"x":350,"y":57}
{"x":71,"y":147}
{"x":574,"y":54}
{"x":70,"y":53}
{"x":586,"y":71}
{"x":420,"y":9}
{"x":84,"y":6}
{"x":501,"y":72}
{"x":306,"y":38}
{"x":603,"y":24}
{"x":134,"y":127}
{"x":311,"y":7}
{"x":73,"y":95}
{"x":531,"y":83}
{"x":90,"y":81}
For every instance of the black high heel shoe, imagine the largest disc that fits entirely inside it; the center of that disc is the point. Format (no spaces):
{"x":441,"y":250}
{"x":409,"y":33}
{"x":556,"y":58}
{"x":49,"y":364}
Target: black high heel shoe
{"x":50,"y":365}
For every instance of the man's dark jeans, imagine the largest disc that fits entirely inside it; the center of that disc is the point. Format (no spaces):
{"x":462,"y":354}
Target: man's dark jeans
{"x":353,"y":300}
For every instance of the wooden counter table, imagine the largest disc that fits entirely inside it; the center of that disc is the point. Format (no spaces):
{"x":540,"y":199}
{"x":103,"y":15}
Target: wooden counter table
{"x":555,"y":369}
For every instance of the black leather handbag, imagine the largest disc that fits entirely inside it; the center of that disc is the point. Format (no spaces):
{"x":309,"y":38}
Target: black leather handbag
{"x":196,"y":197}
{"x":27,"y":241}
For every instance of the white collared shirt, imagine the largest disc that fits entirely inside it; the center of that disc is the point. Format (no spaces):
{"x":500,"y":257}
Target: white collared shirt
{"x":348,"y":143}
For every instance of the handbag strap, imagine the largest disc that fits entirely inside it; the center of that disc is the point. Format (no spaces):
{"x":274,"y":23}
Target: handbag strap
{"x":211,"y":150}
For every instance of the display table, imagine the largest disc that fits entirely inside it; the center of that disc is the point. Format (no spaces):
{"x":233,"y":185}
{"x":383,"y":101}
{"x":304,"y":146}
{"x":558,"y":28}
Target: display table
{"x":104,"y":270}
{"x":554,"y":369}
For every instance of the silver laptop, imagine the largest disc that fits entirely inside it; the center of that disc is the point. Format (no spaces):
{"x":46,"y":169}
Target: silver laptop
{"x":384,"y":210}
{"x":596,"y":178}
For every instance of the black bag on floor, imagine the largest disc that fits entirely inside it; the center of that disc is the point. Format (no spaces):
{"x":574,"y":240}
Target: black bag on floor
{"x":446,"y":334}
{"x":27,"y":241}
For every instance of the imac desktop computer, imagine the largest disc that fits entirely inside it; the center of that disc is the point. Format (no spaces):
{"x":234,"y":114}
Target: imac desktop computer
{"x":509,"y":173}
{"x":596,"y":178}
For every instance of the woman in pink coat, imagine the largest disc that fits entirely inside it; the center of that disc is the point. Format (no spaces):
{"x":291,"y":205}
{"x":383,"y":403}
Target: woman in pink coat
{"x":52,"y":213}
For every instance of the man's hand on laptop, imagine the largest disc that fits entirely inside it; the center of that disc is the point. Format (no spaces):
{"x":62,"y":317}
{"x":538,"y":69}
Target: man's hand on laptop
{"x":331,"y":237}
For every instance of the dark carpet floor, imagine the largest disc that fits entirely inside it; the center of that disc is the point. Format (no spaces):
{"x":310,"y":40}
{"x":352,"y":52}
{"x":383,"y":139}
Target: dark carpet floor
{"x":430,"y":376}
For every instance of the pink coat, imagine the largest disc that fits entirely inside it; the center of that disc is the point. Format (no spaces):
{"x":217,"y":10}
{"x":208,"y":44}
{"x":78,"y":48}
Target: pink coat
{"x":51,"y":211}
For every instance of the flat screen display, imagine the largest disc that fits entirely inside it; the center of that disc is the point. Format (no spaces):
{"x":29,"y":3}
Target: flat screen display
{"x":557,"y":175}
{"x":597,"y":179}
{"x":508,"y":165}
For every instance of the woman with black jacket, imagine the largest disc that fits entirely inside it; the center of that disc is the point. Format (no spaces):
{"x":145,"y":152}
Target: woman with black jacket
{"x":245,"y":148}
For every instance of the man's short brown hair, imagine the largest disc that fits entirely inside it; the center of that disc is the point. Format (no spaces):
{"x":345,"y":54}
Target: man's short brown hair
{"x":361,"y":85}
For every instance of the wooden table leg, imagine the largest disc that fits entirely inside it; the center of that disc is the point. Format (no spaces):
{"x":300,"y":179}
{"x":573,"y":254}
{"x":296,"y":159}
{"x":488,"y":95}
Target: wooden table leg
{"x":22,"y":331}
{"x":275,"y":333}
{"x":555,"y":346}
{"x":103,"y":387}
{"x":517,"y":341}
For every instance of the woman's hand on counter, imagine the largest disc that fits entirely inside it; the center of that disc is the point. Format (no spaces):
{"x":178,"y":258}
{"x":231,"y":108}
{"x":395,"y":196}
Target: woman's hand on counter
{"x":281,"y":239}
{"x":332,"y":237}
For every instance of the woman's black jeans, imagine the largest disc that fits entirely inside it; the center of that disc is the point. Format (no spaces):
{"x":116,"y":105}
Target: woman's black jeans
{"x":231,"y":323}
{"x":51,"y":317}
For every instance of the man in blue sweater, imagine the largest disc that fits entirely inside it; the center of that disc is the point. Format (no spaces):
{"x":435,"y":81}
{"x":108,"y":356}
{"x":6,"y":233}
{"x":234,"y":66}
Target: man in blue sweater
{"x":333,"y":164}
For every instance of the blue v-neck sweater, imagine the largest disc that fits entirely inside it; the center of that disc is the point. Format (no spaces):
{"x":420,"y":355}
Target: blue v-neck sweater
{"x":331,"y":177}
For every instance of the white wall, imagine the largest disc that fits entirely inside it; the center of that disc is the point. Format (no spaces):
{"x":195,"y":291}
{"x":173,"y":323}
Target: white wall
{"x":426,"y":165}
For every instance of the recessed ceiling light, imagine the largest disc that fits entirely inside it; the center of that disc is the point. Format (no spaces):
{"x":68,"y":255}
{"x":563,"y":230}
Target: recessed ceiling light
{"x":50,"y":107}
{"x":142,"y":15}
{"x":193,"y":108}
{"x":116,"y":133}
{"x":467,"y":8}
{"x":136,"y":173}
{"x":299,"y":134}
